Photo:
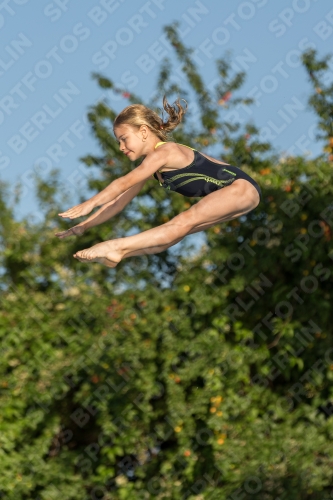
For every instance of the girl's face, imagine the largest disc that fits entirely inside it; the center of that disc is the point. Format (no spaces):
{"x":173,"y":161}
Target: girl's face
{"x":130,"y":141}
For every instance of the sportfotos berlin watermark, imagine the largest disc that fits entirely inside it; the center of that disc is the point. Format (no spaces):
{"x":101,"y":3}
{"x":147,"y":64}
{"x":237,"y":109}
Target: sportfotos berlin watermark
{"x":8,"y":9}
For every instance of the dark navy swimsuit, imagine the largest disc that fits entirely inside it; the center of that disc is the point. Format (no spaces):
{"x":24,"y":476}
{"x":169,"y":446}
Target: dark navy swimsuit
{"x":202,"y":177}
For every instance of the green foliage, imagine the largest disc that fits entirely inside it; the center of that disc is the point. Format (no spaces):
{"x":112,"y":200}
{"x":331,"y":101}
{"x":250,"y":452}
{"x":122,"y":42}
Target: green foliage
{"x":172,"y":376}
{"x":321,"y":101}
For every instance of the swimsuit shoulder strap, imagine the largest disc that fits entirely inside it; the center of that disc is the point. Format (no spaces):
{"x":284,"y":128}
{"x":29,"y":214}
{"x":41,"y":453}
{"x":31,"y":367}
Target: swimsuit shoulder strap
{"x":159,"y":143}
{"x":186,"y":146}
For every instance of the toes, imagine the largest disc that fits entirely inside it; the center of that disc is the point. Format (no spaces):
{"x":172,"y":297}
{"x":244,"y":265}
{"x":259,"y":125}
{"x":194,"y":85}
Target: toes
{"x":83,"y":256}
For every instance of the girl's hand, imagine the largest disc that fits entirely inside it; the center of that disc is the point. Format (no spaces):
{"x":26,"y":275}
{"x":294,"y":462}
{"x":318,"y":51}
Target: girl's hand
{"x":73,"y":231}
{"x":82,"y":209}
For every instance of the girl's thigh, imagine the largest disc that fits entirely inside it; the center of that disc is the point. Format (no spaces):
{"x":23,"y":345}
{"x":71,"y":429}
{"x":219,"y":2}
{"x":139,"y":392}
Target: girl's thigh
{"x":225,"y":204}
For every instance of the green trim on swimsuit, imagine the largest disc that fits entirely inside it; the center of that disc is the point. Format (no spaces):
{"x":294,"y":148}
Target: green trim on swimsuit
{"x":196,"y":177}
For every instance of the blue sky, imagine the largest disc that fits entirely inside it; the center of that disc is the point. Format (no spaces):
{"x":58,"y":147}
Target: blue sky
{"x":50,"y":49}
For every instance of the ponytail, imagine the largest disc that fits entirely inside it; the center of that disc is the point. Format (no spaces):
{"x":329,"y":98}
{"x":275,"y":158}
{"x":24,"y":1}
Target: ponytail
{"x":138,"y":114}
{"x":175,"y":115}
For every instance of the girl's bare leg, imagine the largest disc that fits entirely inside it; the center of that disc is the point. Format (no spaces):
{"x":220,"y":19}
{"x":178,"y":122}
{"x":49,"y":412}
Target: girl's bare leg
{"x":110,"y":253}
{"x":162,"y":248}
{"x":231,"y":202}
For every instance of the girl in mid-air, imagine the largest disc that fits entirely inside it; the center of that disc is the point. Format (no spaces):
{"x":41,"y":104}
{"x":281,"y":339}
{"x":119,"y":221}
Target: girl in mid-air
{"x":140,"y":132}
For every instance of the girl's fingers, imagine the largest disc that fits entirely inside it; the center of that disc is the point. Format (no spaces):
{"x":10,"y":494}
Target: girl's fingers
{"x":73,"y":231}
{"x":66,"y":211}
{"x":64,"y":233}
{"x":69,"y":211}
{"x":76,"y":208}
{"x":77,"y":211}
{"x":70,"y":215}
{"x":66,"y":214}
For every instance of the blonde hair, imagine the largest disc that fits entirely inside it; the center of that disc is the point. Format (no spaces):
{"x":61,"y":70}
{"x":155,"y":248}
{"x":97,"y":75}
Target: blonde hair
{"x":138,"y":114}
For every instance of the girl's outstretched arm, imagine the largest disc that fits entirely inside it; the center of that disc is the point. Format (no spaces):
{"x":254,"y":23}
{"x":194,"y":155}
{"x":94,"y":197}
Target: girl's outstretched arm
{"x":155,"y":160}
{"x":104,"y":213}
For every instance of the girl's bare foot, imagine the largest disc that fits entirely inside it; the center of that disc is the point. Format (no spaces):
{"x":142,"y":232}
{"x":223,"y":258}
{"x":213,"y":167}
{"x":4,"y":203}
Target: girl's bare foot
{"x":105,"y":253}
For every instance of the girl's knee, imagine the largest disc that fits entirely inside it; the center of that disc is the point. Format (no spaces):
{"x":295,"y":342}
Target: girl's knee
{"x":247,"y":193}
{"x":252,"y":200}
